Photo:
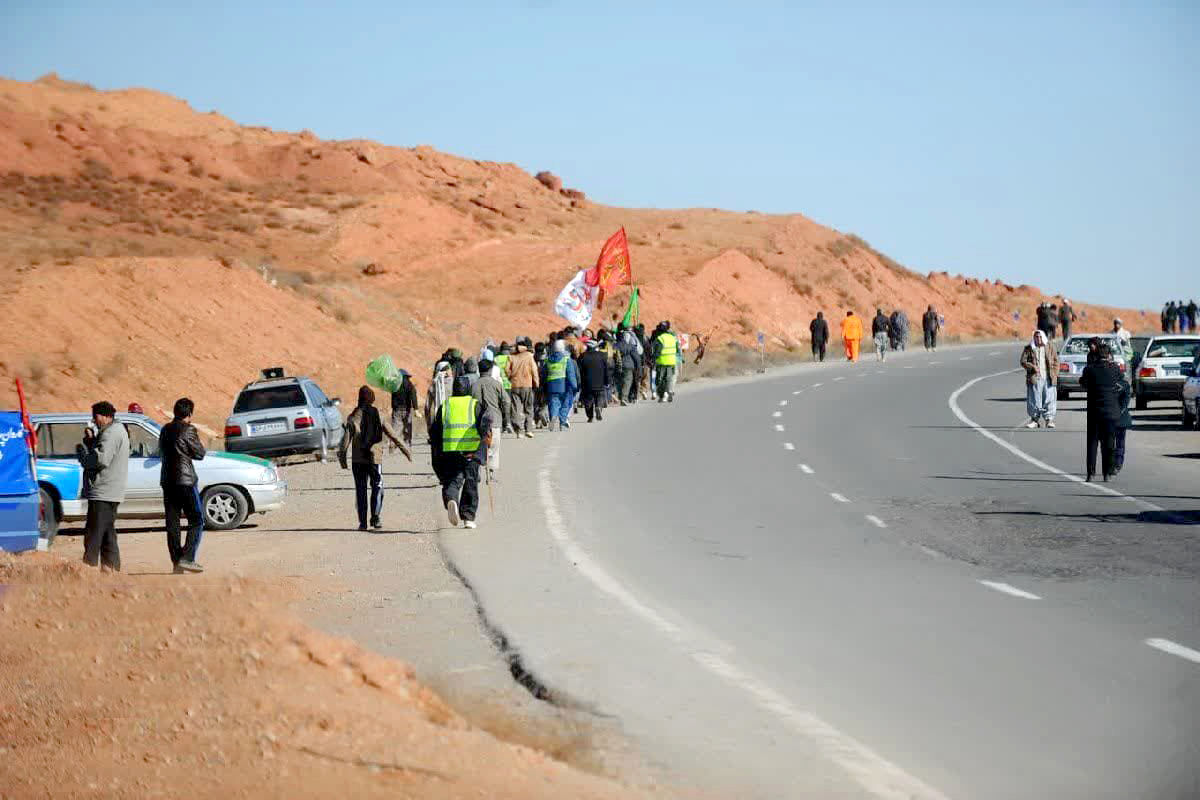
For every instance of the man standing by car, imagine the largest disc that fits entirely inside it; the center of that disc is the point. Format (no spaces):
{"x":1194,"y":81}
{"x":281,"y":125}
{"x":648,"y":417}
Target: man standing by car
{"x":179,"y":444}
{"x":1041,"y":372}
{"x":104,"y":455}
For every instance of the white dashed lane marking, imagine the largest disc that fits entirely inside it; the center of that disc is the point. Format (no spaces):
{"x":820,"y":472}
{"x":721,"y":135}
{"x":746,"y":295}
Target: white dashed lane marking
{"x":1010,"y":589}
{"x":798,"y":391}
{"x":841,"y":498}
{"x":965,"y":358}
{"x":782,"y":403}
{"x":789,"y":446}
{"x":806,"y":469}
{"x":876,"y":521}
{"x":994,"y":353}
{"x":1167,"y":646}
{"x":777,"y":414}
{"x":815,"y":385}
{"x":779,"y":428}
{"x":840,"y":378}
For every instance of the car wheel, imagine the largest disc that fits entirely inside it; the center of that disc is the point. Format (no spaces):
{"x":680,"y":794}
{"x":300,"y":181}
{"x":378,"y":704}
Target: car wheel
{"x":225,"y":507}
{"x":48,"y":518}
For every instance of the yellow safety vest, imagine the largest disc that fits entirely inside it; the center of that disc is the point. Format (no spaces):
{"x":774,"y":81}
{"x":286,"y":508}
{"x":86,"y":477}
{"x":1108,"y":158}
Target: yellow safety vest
{"x":667,"y":356}
{"x":502,"y":363}
{"x":556,"y":370}
{"x":459,"y":434}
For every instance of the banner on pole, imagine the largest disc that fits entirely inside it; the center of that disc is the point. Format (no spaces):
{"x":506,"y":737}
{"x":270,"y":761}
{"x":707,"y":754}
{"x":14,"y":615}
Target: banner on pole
{"x":577,"y":301}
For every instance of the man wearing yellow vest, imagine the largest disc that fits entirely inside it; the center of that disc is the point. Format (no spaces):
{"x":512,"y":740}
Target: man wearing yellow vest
{"x":459,"y":438}
{"x":666,"y":358}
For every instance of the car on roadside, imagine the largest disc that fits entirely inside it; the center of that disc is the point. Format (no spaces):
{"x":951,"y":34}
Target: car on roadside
{"x":1159,"y":374}
{"x":1072,"y":358}
{"x":231,"y":486}
{"x":279,"y":415}
{"x":1190,"y":394}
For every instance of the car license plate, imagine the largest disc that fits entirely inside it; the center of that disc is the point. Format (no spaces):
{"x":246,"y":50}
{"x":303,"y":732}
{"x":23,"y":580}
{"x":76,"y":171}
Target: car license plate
{"x":270,"y":427}
{"x":1169,"y":371}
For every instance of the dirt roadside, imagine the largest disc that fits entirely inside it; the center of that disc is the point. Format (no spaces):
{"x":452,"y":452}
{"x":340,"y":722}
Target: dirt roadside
{"x":158,"y":684}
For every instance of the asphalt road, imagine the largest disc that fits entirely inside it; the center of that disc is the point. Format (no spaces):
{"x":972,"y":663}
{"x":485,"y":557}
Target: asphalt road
{"x":833,"y":582}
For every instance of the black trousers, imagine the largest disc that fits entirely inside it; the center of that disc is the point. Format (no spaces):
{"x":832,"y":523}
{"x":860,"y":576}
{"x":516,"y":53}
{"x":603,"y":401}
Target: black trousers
{"x":100,"y":535}
{"x":1119,"y":447}
{"x":364,"y":474}
{"x":183,"y":500}
{"x":930,"y":340}
{"x":594,"y":403}
{"x":460,"y":482}
{"x":818,"y":349}
{"x":1102,"y":432}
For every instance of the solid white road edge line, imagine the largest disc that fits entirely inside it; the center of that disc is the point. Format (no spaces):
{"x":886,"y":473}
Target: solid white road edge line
{"x":870,"y":770}
{"x":1167,"y":646}
{"x":876,"y":521}
{"x":1012,"y":448}
{"x":1010,"y":589}
{"x":806,"y":469}
{"x":841,"y":498}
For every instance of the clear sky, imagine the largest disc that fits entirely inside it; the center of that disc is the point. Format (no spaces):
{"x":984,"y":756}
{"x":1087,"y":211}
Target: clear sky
{"x":1041,"y":143}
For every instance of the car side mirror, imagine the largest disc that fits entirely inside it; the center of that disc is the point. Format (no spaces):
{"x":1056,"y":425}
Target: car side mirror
{"x":335,"y":401}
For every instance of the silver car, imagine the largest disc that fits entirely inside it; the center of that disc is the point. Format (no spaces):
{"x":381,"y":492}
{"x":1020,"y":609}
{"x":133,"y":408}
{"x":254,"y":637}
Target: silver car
{"x":1160,"y":369}
{"x":1072,"y":358}
{"x":231,"y":486}
{"x":279,"y":416}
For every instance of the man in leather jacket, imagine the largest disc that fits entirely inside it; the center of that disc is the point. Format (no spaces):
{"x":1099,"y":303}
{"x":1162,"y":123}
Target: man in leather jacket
{"x":179,"y":444}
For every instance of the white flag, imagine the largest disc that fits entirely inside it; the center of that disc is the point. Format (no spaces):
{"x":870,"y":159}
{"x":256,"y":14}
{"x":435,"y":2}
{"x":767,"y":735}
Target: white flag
{"x":577,"y":301}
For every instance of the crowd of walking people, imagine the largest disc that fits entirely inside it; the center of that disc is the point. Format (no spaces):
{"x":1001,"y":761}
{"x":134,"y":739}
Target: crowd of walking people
{"x":516,"y":388}
{"x":889,"y":332}
{"x":1180,"y":317}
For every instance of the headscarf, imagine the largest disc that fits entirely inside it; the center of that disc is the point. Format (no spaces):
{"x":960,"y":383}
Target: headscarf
{"x":1038,"y":344}
{"x":371,"y":429}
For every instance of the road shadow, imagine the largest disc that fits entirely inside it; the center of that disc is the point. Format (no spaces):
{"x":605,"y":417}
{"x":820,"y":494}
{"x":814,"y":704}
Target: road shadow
{"x":1144,"y":517}
{"x":1002,"y":478}
{"x":246,"y":526}
{"x":997,"y":429}
{"x":351,"y":488}
{"x":1181,"y":455}
{"x":354,"y":529}
{"x":1006,"y":399}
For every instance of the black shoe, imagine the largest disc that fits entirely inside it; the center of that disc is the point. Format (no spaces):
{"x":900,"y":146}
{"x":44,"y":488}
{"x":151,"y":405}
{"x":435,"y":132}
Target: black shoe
{"x":362,"y":526}
{"x":376,"y":523}
{"x":1089,"y":477}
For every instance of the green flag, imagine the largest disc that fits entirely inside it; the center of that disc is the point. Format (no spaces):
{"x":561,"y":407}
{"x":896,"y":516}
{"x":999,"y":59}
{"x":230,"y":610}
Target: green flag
{"x":631,"y":313}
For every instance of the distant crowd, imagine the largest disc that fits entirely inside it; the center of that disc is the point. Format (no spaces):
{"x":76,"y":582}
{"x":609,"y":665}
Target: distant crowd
{"x":888,"y":332}
{"x":1178,"y":317}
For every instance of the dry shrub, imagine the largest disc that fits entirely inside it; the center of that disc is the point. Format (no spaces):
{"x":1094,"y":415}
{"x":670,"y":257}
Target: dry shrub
{"x":676,"y":226}
{"x":342,"y":315}
{"x":112,"y":367}
{"x":35,"y":368}
{"x":196,"y":171}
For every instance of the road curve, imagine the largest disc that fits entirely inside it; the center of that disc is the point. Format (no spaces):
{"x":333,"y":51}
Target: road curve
{"x":862,"y":581}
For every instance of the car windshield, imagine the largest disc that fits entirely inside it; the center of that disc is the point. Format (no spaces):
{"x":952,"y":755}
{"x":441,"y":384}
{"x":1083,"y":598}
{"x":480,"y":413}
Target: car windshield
{"x":1173,"y":348}
{"x":1076,"y":346}
{"x":268,"y":398}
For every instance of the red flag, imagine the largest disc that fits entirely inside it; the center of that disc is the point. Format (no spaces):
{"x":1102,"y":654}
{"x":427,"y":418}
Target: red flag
{"x":613,"y":267}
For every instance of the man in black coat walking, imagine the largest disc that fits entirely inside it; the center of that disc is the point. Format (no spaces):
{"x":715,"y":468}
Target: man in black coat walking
{"x":593,"y":377}
{"x":819,"y":329}
{"x":179,"y":445}
{"x":1107,"y":399}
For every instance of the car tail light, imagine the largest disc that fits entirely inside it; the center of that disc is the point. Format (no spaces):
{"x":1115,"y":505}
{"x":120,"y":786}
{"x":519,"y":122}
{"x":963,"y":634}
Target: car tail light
{"x":232,"y":430}
{"x":302,"y":422}
{"x":1147,"y":372}
{"x":1064,"y":367}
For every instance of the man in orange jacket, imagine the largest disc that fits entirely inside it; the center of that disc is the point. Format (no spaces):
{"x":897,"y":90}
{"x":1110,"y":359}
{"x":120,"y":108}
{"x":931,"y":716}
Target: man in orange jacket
{"x":851,"y":335}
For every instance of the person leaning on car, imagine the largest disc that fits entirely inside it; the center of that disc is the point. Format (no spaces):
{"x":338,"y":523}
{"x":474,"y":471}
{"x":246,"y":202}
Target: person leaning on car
{"x":104,"y":455}
{"x":179,"y":444}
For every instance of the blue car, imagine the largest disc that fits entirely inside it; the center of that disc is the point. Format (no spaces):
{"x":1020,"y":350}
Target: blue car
{"x":231,"y":486}
{"x":19,"y":510}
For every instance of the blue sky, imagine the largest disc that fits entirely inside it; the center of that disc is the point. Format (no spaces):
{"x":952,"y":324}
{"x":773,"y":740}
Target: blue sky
{"x":1040,"y":143}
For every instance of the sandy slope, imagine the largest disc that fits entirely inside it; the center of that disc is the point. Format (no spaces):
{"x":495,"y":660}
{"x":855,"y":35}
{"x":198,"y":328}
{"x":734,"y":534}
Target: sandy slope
{"x":148,"y":250}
